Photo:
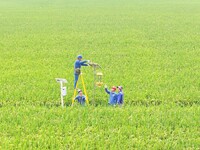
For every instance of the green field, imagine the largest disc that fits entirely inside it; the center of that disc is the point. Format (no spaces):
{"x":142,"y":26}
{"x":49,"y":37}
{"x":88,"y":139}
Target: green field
{"x":150,"y":47}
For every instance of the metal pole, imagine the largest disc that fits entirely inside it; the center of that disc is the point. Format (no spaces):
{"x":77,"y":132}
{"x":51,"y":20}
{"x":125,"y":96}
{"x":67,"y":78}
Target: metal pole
{"x":61,"y":86}
{"x":94,"y":90}
{"x":75,"y":91}
{"x":84,"y":88}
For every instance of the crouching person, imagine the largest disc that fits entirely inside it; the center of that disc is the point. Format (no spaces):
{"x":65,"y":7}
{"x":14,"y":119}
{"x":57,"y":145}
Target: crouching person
{"x":120,"y":96}
{"x":80,"y":98}
{"x":113,"y":95}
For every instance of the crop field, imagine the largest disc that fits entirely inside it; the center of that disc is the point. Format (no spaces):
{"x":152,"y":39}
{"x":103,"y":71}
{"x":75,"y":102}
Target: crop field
{"x":150,"y":47}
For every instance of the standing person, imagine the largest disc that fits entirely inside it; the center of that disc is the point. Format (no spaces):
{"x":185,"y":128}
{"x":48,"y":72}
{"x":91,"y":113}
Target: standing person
{"x":120,"y":96}
{"x":80,"y":98}
{"x":77,"y":68}
{"x":113,"y":95}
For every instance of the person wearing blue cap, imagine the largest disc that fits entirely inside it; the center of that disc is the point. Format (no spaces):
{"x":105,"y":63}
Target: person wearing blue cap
{"x":77,"y":68}
{"x":120,"y":96}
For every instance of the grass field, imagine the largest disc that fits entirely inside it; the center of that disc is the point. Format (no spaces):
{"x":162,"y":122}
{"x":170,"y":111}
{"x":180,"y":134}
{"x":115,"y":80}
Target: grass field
{"x":151,"y":47}
{"x":155,"y":127}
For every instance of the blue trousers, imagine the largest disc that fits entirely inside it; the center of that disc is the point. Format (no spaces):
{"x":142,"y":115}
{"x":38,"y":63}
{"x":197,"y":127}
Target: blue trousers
{"x":75,"y":79}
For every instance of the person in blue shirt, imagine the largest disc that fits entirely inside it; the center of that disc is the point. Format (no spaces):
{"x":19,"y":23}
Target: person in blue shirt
{"x":113,"y":95}
{"x":120,"y":96}
{"x":80,"y":98}
{"x":77,"y":68}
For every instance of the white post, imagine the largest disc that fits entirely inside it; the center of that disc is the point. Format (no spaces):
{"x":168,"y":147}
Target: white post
{"x":61,"y":93}
{"x":63,"y":90}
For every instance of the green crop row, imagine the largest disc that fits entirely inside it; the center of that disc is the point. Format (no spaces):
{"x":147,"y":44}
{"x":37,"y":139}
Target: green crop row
{"x":155,"y":127}
{"x":149,"y":47}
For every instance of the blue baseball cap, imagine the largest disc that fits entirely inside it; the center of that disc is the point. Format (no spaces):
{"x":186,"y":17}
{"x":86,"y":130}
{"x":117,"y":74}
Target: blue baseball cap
{"x":79,"y":56}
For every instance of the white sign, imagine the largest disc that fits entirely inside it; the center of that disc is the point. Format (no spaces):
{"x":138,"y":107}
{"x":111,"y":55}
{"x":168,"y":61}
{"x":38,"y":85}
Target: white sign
{"x":64,"y":91}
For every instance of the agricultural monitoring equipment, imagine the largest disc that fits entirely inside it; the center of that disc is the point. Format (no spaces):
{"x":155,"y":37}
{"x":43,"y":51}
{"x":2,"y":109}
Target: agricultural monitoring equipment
{"x":97,"y":77}
{"x":99,"y":83}
{"x":63,"y":89}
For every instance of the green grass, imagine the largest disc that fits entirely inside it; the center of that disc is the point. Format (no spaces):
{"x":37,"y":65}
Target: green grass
{"x":155,"y":127}
{"x":151,"y":47}
{"x":154,"y":44}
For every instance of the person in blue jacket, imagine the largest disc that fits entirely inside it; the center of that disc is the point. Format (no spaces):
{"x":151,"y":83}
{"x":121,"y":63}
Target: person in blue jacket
{"x":120,"y":96}
{"x":80,"y":98}
{"x":113,"y":95}
{"x":77,"y":68}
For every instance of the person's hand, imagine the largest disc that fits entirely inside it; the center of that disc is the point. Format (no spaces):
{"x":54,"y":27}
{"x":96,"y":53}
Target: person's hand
{"x":106,"y":86}
{"x":88,"y":61}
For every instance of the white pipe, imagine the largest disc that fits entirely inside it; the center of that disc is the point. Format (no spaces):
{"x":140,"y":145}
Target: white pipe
{"x":61,"y":86}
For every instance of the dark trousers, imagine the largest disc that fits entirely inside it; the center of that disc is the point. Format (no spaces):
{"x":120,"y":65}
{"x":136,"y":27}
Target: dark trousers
{"x":75,"y":79}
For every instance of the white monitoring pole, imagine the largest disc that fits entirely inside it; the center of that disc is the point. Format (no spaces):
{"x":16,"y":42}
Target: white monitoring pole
{"x":63,"y":89}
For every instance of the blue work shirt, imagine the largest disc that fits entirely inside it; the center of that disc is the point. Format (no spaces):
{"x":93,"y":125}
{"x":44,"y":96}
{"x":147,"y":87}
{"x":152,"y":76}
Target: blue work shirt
{"x":81,"y":99}
{"x":79,"y":63}
{"x":112,"y":98}
{"x":120,"y":98}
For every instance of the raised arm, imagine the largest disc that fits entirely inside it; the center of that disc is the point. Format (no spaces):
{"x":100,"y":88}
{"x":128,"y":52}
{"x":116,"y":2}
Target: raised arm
{"x":83,"y":63}
{"x":107,"y":91}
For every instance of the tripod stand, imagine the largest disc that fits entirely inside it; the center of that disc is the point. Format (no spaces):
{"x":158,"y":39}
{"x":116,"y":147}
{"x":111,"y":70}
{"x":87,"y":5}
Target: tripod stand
{"x":84,"y":88}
